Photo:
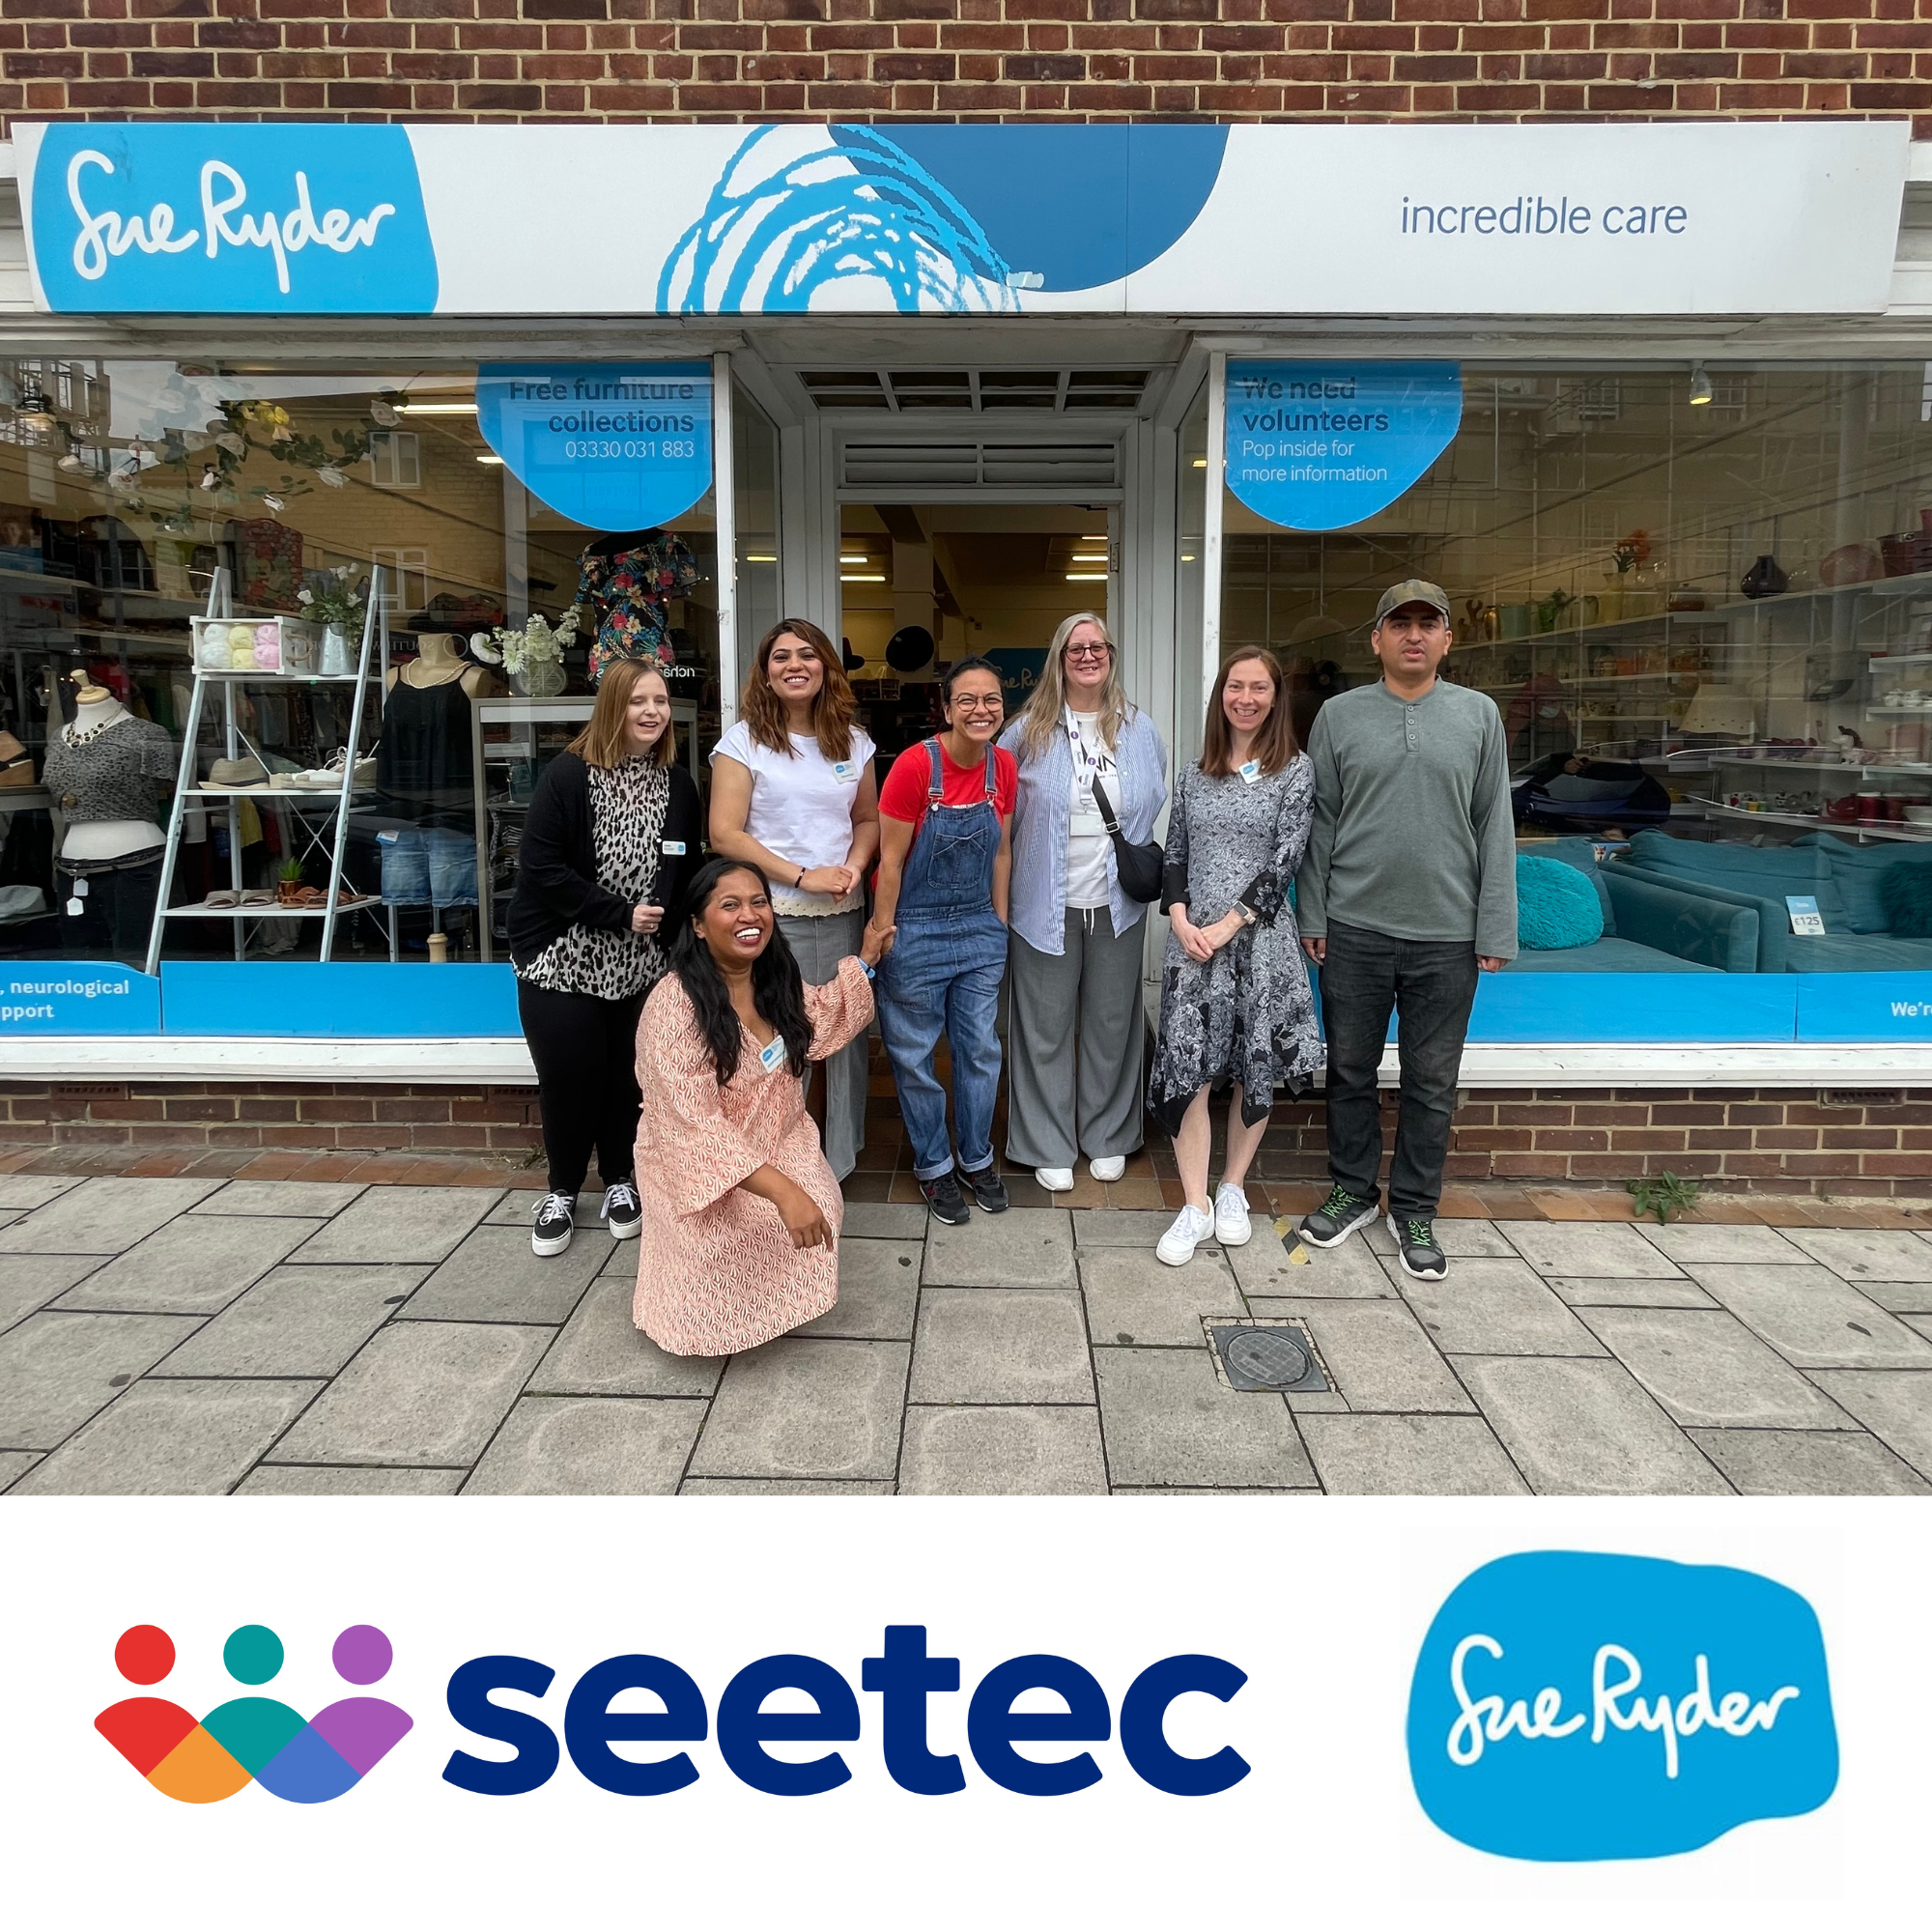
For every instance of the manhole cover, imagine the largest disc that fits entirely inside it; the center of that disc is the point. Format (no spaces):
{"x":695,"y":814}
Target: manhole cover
{"x":1269,"y":1359}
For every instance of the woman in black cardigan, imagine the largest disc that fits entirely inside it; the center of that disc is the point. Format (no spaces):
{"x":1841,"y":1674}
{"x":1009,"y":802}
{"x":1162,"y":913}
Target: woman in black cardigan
{"x":611,"y":838}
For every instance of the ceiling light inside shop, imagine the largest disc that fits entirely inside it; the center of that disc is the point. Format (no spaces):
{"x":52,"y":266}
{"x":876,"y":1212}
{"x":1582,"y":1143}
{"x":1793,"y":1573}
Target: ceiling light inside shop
{"x":855,"y":560}
{"x":1201,"y":463}
{"x":437,"y":409}
{"x":498,"y":460}
{"x":879,"y":578}
{"x":1086,"y":577}
{"x":1700,"y":385}
{"x":758,"y":556}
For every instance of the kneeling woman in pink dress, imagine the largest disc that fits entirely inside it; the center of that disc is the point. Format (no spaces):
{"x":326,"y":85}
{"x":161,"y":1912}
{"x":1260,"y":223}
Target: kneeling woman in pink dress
{"x":741,"y":1211}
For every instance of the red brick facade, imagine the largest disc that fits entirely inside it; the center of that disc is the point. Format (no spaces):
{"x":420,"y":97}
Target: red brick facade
{"x":866,"y":60}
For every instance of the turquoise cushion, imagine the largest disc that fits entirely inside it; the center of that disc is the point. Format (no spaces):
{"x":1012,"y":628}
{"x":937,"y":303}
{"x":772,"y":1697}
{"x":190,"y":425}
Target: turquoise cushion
{"x":1556,"y":906}
{"x":1759,"y":871}
{"x":1906,"y":890}
{"x":1582,"y":854}
{"x":1859,"y":872}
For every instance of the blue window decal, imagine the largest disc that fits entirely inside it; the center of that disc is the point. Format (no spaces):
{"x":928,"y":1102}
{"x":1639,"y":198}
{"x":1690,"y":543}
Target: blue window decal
{"x":206,"y":217}
{"x":1321,"y":445}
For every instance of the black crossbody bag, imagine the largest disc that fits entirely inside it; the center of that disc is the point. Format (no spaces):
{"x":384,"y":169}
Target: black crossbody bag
{"x":1139,"y":866}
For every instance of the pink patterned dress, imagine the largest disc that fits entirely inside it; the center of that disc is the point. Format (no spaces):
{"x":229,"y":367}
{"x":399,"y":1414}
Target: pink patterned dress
{"x":717,"y":1271}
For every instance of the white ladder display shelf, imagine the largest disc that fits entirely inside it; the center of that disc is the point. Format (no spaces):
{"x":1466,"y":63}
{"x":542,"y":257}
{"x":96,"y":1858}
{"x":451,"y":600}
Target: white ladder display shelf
{"x":375,"y":638}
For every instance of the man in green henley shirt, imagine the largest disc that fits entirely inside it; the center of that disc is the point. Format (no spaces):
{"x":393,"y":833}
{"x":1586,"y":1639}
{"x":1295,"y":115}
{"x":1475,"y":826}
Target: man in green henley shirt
{"x":1407,"y":891}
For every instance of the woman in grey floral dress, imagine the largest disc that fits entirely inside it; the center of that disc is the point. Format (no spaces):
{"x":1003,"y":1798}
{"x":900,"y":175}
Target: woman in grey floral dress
{"x":1235,"y":1008}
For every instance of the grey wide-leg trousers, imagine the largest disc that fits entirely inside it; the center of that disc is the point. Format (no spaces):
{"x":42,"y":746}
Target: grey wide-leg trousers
{"x":819,"y":945}
{"x":1076,"y":1044}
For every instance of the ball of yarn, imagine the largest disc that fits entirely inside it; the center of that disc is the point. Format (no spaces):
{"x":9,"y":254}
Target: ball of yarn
{"x":267,"y":634}
{"x":239,"y":635}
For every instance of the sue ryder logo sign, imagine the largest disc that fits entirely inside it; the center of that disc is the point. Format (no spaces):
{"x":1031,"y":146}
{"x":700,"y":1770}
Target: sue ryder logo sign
{"x":1572,"y":1706}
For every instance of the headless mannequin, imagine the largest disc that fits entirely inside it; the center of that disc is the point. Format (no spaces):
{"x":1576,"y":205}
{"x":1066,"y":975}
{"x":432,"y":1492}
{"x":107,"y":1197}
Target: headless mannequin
{"x":440,"y":661}
{"x":97,"y":839}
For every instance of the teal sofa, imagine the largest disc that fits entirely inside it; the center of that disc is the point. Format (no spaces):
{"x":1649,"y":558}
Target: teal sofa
{"x":1843,"y":877}
{"x":1649,"y":925}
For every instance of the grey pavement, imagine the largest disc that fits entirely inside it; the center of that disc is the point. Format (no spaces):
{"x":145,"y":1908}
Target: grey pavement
{"x":175,"y":1336}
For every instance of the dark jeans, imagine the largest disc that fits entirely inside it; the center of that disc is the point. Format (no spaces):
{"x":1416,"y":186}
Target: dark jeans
{"x":116,"y":911}
{"x":585,"y":1051}
{"x":1431,"y":986}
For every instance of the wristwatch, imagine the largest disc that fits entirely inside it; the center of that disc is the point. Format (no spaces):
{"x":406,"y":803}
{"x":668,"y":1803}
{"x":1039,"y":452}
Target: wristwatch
{"x":1247,"y":912}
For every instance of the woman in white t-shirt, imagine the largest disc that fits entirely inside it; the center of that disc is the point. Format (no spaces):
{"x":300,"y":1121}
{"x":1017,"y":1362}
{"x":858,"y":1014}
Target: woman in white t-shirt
{"x":793,"y":792}
{"x":1078,"y":939}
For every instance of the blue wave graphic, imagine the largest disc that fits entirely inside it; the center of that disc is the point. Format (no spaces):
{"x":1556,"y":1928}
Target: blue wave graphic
{"x":787,"y":224}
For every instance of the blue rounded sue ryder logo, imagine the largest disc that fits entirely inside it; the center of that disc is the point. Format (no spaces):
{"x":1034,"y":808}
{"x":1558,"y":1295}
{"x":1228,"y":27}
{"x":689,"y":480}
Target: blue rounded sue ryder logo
{"x":1569,"y":1706}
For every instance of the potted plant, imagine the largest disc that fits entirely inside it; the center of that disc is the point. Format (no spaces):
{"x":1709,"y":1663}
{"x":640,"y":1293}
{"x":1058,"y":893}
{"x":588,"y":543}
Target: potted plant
{"x":533,"y":653}
{"x":289,"y":882}
{"x":339,"y":604}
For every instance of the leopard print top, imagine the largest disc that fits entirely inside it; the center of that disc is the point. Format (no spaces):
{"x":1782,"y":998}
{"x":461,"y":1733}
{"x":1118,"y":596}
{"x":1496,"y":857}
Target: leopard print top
{"x":628,"y":805}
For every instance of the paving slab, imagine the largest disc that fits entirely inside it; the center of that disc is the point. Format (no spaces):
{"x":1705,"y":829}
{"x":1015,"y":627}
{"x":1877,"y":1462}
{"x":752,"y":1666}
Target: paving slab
{"x":1002,"y":1452}
{"x":1706,"y":1367}
{"x":1497,"y":1308}
{"x":1718,"y":1243}
{"x":315,"y":1199}
{"x":274,"y":1480}
{"x":1901,"y":1297}
{"x":34,"y":1190}
{"x":57,"y":1369}
{"x":1263,"y":1266}
{"x":296,"y":1321}
{"x":1815,"y":1320}
{"x":753,"y":1486}
{"x":884,"y":1221}
{"x":1017,"y":1345}
{"x":1576,"y":1427}
{"x":1379,"y":1358}
{"x":603,"y":1351}
{"x":1595,"y":1290}
{"x":1454,"y":1237}
{"x":1128,"y":1228}
{"x":1025,"y":1247}
{"x":1868,"y":1254}
{"x":1920,"y":1324}
{"x":103,"y":1216}
{"x":878,"y":1292}
{"x":13,"y":1465}
{"x":1135,"y":1299}
{"x":191,"y":1266}
{"x":421,"y":1392}
{"x":1170,"y":1423}
{"x":1586,"y":1247}
{"x":177,"y":1439}
{"x":1807,"y":1462}
{"x":401,"y":1223}
{"x":1894,"y":1403}
{"x":28,"y":1282}
{"x":492,"y":1276}
{"x":1409,"y":1456}
{"x":806,"y":1408}
{"x":589,"y":1446}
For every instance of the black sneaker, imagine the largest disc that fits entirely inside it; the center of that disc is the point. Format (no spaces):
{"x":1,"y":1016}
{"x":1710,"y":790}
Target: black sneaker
{"x":988,"y":1189}
{"x":1416,"y":1249}
{"x":555,"y":1224}
{"x":1337,"y":1218}
{"x":945,"y":1200}
{"x":624,"y":1211}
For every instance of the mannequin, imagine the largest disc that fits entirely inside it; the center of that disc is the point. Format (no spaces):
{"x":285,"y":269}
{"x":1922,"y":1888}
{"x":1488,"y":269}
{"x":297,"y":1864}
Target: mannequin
{"x":628,"y":580}
{"x":100,"y":710}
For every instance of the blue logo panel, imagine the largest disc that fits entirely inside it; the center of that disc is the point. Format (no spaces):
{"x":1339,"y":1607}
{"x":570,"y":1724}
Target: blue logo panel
{"x":81,"y":996}
{"x":616,"y":446}
{"x":1569,"y":1706}
{"x":1321,"y":445}
{"x":244,"y":218}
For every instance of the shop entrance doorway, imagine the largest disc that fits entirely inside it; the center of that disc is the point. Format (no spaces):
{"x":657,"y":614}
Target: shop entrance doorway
{"x":924,"y":585}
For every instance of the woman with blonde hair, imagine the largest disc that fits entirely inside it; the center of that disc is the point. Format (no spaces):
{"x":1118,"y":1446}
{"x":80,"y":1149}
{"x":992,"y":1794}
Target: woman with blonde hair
{"x":793,"y":792}
{"x":610,"y":840}
{"x":1235,"y":1010}
{"x":1076,"y":954}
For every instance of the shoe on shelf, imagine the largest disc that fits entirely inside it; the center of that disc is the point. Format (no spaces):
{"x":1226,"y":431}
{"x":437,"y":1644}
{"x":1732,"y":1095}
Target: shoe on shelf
{"x":1415,"y":1249}
{"x":1055,"y":1179}
{"x":1191,"y":1227}
{"x":1232,"y":1226}
{"x":554,"y":1223}
{"x":1337,"y":1218}
{"x":944,"y":1200}
{"x":622,"y":1209}
{"x":988,"y":1189}
{"x":1108,"y":1167}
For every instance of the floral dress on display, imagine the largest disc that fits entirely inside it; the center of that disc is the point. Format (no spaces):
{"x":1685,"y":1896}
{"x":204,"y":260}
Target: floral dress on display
{"x":630,"y":588}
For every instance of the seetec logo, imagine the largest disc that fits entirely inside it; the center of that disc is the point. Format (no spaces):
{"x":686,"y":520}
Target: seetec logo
{"x":1571,"y":1706}
{"x":308,"y":1762}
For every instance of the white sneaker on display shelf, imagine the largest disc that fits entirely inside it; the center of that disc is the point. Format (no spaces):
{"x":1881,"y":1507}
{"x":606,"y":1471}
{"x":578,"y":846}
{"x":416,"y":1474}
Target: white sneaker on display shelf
{"x":1191,"y":1227}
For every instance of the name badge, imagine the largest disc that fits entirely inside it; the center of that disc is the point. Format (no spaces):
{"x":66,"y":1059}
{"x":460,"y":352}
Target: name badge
{"x":675,"y":847}
{"x":1251,"y":771}
{"x":772,"y":1058}
{"x":847,"y":771}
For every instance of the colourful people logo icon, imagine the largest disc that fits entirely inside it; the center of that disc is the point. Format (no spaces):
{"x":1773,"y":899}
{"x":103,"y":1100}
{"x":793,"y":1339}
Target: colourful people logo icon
{"x":306,"y":1762}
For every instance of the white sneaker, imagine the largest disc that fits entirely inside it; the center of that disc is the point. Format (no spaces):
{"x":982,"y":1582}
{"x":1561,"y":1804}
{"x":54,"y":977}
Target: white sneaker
{"x":1232,"y":1226}
{"x":1191,"y":1227}
{"x":1055,"y":1179}
{"x":1109,"y":1166}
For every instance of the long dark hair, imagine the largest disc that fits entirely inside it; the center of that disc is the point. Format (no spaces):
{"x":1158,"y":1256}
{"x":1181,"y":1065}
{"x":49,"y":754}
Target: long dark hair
{"x":778,"y":992}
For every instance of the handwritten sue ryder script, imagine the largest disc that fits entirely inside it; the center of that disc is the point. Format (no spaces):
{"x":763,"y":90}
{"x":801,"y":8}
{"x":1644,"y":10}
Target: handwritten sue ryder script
{"x":223,"y":194}
{"x":1614,"y":1705}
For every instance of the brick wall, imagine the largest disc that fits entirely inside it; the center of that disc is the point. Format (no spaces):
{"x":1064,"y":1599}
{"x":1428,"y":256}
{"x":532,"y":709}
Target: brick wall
{"x":471,"y":59}
{"x":1784,"y":1141}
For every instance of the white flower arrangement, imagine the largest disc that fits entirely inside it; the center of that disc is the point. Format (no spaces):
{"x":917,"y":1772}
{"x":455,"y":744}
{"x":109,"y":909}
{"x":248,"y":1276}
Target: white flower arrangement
{"x":536,"y":642}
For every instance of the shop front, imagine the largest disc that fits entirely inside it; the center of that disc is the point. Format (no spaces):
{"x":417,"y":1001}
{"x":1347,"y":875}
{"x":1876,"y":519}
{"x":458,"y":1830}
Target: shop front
{"x":337,"y":460}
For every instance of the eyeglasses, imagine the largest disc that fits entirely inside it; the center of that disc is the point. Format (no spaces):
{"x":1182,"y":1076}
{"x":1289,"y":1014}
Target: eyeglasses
{"x":1088,"y":650}
{"x":979,"y":704}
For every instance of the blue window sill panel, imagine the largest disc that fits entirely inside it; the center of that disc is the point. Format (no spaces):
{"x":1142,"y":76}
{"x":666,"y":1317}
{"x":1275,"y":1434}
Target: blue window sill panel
{"x":308,"y":1000}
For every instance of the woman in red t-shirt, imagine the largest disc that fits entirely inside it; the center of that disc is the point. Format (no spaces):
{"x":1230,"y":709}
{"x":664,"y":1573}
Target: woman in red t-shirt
{"x":946,"y":813}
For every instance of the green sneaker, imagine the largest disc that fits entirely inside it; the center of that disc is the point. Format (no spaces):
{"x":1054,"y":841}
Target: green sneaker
{"x":1416,"y":1249}
{"x":1337,"y":1218}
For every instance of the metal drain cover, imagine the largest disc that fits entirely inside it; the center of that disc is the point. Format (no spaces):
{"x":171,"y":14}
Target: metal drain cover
{"x":1269,"y":1359}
